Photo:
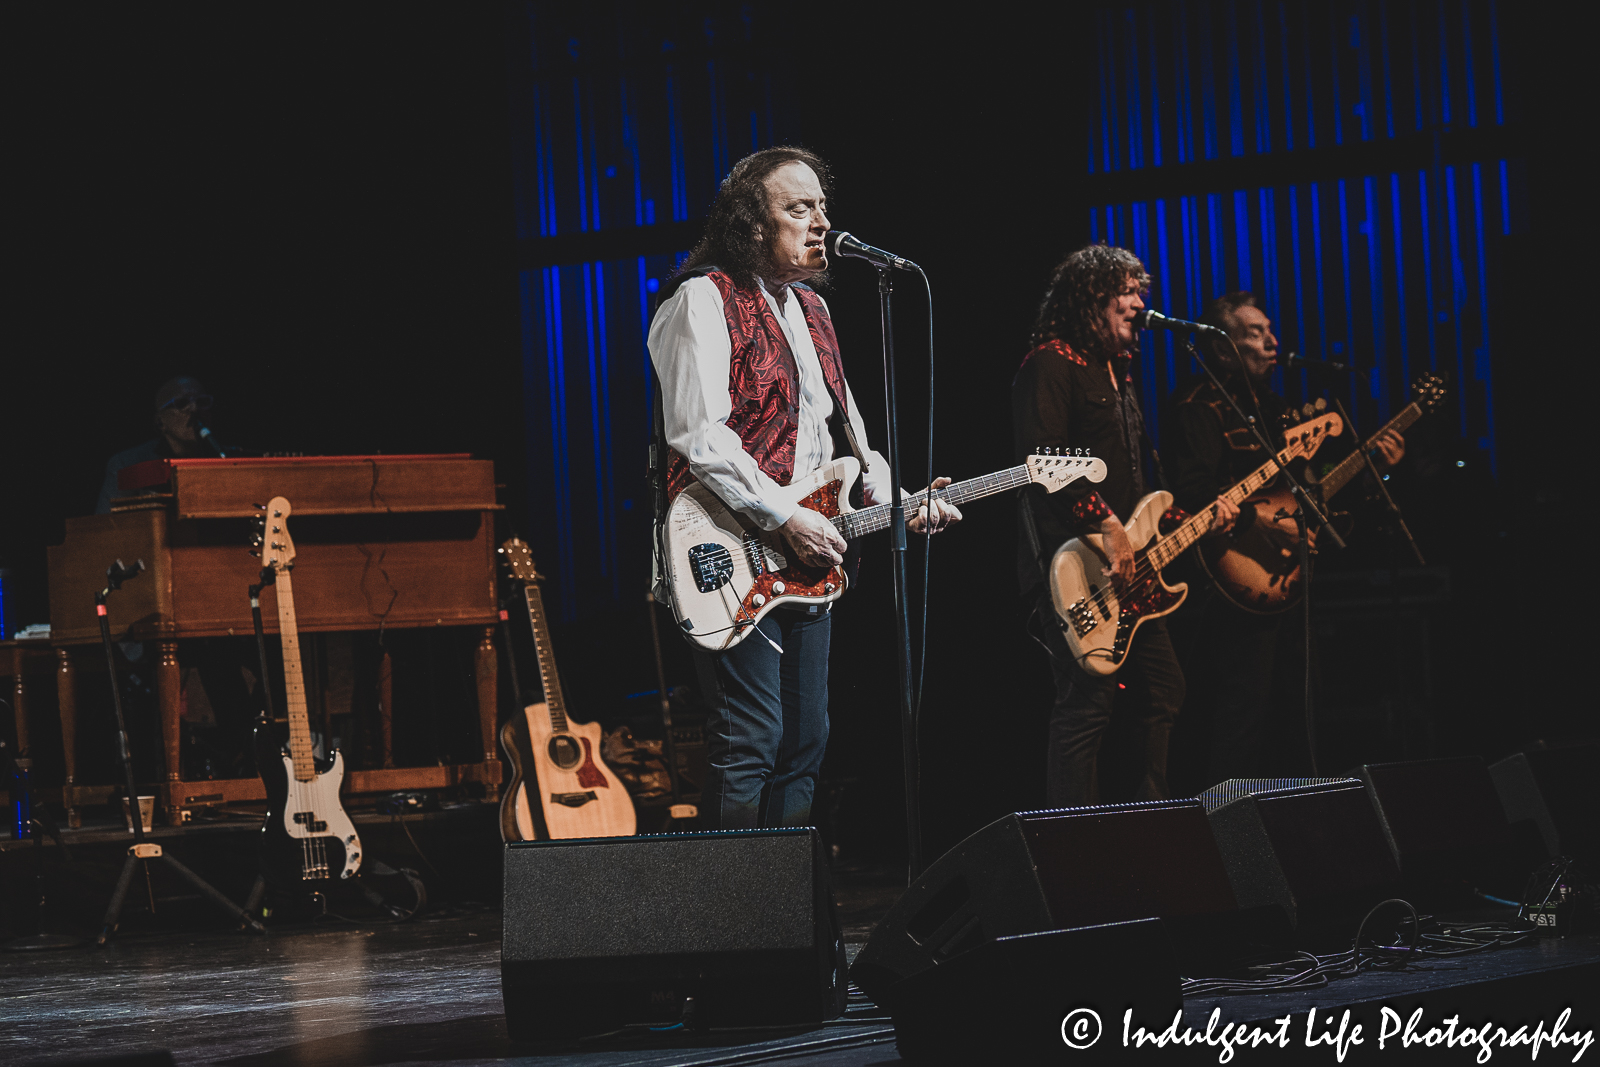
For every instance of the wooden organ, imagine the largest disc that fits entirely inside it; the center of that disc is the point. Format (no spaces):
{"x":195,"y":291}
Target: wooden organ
{"x":385,"y":542}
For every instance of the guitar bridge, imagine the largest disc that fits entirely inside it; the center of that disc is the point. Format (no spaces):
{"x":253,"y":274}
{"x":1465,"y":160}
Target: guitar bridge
{"x":1081,"y":616}
{"x":712,"y":565}
{"x":573,"y":800}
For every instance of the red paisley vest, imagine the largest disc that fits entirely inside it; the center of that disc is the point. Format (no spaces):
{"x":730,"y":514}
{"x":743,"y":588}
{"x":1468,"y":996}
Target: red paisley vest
{"x":764,"y":379}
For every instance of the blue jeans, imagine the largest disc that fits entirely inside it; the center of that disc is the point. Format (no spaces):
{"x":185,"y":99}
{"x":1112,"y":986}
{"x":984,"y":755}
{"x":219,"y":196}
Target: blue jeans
{"x":768,"y":723}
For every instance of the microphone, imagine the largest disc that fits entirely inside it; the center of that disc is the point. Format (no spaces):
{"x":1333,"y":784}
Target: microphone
{"x":1291,"y":361}
{"x":207,"y":436}
{"x":841,"y":243}
{"x":1150,"y":320}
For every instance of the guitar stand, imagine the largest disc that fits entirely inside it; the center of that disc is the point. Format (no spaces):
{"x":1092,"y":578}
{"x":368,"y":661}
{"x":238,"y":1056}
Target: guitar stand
{"x":141,"y":852}
{"x":41,"y":824}
{"x":679,"y":812}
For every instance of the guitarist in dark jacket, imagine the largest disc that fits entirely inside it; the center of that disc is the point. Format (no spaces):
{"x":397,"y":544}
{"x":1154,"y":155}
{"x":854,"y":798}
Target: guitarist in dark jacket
{"x":1075,"y":390}
{"x":1231,"y":655}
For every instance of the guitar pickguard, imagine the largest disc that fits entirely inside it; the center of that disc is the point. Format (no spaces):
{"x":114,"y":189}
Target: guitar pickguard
{"x":793,"y":579}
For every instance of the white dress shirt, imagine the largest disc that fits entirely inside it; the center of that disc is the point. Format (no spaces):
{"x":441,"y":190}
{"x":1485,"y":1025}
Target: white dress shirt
{"x":692,"y":353}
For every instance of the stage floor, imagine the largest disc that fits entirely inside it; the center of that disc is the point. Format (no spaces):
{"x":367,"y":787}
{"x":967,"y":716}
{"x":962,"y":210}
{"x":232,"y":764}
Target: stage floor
{"x":428,"y":992}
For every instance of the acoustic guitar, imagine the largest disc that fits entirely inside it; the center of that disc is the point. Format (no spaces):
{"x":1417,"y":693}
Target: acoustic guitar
{"x":1258,"y":569}
{"x":307,"y":837}
{"x":553,"y":758}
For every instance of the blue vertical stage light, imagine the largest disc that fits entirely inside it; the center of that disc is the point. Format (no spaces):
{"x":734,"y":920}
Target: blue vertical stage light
{"x":619,"y":126}
{"x":1286,"y":91}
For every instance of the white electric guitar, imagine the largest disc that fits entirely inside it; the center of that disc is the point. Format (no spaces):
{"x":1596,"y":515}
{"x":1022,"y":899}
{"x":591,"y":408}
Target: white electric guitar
{"x":724,"y":573}
{"x":1097,"y":621}
{"x":307,"y":836}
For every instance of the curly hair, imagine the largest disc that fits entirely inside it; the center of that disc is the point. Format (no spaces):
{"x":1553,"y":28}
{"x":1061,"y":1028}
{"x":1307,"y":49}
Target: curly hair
{"x":1073,"y":308}
{"x":738,"y":229}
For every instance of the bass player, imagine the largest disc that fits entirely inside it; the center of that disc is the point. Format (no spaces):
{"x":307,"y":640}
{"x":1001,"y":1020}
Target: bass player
{"x":1075,"y":390}
{"x":752,"y":391}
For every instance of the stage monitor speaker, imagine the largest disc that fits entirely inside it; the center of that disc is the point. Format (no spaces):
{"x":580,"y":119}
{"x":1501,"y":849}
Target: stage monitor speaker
{"x":1316,"y":851}
{"x":1442,"y":820}
{"x":1228,"y":791}
{"x":731,"y":928}
{"x":1053,"y":870}
{"x":1556,"y":789}
{"x":1011,"y":999}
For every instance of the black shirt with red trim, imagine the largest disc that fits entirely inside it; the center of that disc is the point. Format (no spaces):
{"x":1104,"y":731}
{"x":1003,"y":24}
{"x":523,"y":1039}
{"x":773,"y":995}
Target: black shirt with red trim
{"x":1205,"y":448}
{"x":1062,"y":399}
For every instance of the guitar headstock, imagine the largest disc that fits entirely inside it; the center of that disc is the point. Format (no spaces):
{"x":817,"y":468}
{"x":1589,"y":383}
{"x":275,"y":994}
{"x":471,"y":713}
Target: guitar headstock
{"x":1056,"y":470}
{"x":272,"y":540}
{"x":1302,"y":441}
{"x":1429,"y":392}
{"x":518,"y":558}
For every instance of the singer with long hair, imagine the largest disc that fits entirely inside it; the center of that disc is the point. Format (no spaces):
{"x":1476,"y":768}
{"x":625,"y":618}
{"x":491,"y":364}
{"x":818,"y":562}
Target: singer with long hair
{"x":753,"y":393}
{"x":1075,"y":390}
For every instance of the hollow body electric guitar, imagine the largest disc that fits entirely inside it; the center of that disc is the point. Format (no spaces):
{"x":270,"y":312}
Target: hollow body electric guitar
{"x":307,"y":836}
{"x":1097,"y":622}
{"x":1258,"y":569}
{"x":551,"y":756}
{"x":724,"y":573}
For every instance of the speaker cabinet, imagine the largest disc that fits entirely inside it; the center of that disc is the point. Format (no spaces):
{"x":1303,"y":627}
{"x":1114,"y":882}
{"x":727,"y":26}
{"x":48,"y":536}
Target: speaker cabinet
{"x":736,"y":928}
{"x":1008,"y":999}
{"x":1442,"y":820}
{"x":1555,"y":789}
{"x":1051,"y":870}
{"x":1315,"y":851}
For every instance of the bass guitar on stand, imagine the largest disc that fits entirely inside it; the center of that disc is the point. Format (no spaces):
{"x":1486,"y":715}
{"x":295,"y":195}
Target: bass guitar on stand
{"x":307,"y":838}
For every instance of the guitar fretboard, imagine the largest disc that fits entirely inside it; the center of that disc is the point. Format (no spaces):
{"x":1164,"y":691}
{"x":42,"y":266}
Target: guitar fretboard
{"x":1304,"y":440}
{"x":871,"y":519}
{"x":1353,"y":464}
{"x":547,"y":658}
{"x":300,"y":751}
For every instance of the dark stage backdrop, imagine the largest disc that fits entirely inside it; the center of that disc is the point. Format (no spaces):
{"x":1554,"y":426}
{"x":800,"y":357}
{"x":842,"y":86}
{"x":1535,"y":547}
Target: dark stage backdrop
{"x":409,"y":228}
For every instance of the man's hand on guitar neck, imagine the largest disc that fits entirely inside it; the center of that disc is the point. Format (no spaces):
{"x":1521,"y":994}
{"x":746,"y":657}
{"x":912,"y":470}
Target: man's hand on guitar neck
{"x":813,"y":538}
{"x":1224,"y":513}
{"x":945,"y":514}
{"x":1390,"y":448}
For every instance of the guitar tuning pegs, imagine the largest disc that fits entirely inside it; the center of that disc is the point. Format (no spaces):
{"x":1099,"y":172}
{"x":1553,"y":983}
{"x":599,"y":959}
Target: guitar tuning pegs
{"x":256,"y":552}
{"x":259,"y":507}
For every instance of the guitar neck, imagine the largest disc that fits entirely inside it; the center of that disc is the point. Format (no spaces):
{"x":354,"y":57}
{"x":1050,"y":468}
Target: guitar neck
{"x":1352,"y":465}
{"x":1173,"y":545}
{"x":294,"y":682}
{"x":547,"y":658}
{"x":872,"y":519}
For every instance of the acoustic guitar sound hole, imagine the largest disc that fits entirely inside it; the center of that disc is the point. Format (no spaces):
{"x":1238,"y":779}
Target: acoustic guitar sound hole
{"x":564,"y":751}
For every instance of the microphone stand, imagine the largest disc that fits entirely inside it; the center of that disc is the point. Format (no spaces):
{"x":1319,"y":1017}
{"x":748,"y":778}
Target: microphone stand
{"x":1394,"y":509}
{"x":142,"y":851}
{"x":902,"y":612}
{"x":1305,"y":515}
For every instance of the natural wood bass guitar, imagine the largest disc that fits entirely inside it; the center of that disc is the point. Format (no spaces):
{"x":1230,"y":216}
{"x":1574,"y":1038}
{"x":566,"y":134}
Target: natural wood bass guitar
{"x":307,"y":836}
{"x":1258,"y":569}
{"x":724,"y":573}
{"x":1098,"y":623}
{"x":551,"y":756}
